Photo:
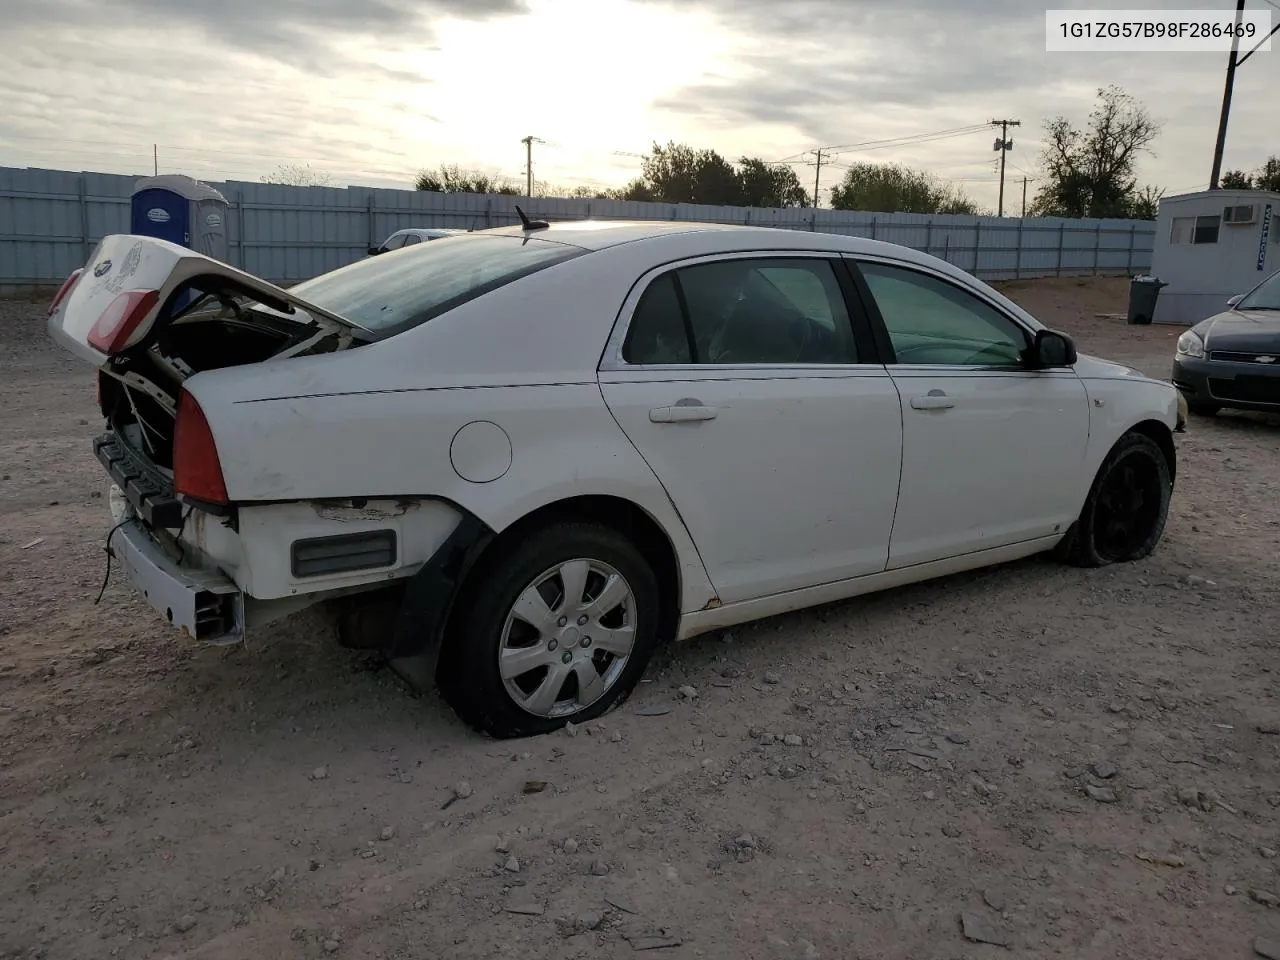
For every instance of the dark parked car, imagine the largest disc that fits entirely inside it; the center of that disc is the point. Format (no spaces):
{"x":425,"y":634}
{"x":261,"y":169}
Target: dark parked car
{"x":1233,"y":358}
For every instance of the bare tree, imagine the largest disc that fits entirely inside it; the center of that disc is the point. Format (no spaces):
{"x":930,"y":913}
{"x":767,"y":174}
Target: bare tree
{"x":581,"y":192}
{"x":451,"y":178}
{"x":1090,"y":171}
{"x":298,"y":175}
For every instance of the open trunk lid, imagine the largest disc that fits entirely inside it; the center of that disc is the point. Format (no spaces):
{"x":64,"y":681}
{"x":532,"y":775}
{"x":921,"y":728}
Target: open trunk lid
{"x":131,"y":283}
{"x":149,"y":315}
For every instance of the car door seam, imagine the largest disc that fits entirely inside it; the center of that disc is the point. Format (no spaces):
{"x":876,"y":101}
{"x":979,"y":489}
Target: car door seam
{"x":902,"y":457}
{"x":665,"y":492}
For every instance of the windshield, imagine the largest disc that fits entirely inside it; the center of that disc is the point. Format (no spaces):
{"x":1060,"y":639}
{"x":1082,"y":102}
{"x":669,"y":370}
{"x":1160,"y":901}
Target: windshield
{"x":1265,"y":296}
{"x":401,"y":289}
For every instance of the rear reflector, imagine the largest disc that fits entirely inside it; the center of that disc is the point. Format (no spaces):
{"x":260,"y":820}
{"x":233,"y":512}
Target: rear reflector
{"x":117,"y":323}
{"x":63,"y":290}
{"x":344,"y":553}
{"x":197,"y":472}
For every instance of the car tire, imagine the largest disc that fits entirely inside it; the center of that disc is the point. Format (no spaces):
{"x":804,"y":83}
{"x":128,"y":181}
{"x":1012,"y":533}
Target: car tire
{"x":495,"y":621}
{"x":1128,"y":504}
{"x":1203,"y":408}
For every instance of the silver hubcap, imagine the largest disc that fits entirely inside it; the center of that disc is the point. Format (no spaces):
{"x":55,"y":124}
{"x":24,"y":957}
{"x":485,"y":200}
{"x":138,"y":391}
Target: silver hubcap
{"x":568,"y":637}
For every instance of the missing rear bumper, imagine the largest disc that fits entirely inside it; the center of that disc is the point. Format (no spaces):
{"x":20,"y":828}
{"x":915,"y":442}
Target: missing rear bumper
{"x":203,"y":604}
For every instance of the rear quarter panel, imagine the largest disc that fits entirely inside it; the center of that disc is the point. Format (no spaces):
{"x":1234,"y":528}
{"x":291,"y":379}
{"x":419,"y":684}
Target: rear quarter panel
{"x":551,"y":442}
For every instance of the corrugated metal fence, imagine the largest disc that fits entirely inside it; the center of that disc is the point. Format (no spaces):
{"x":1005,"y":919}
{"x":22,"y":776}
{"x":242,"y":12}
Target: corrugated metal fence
{"x":50,"y":220}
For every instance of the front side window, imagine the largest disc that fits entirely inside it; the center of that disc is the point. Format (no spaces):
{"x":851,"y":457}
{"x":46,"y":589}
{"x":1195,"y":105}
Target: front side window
{"x":743,"y":312}
{"x":390,"y":294}
{"x":411,"y":238}
{"x":931,"y":321}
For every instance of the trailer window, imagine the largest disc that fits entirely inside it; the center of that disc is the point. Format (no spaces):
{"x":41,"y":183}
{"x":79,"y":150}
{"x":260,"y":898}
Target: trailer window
{"x":1195,"y":229}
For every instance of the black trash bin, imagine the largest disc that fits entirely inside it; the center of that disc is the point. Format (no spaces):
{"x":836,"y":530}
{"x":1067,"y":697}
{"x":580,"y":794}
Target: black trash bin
{"x":1143,"y":292}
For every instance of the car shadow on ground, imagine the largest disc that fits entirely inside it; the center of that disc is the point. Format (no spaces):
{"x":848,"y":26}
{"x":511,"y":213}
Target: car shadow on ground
{"x":1241,"y":420}
{"x":293,"y":688}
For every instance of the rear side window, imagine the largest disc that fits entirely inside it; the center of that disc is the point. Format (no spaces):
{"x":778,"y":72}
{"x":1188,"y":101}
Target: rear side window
{"x":658,"y":333}
{"x":752,"y":311}
{"x":391,"y":294}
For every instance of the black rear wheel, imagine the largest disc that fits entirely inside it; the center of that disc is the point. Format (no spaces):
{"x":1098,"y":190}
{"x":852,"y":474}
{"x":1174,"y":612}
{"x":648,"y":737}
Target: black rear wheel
{"x":1127,"y":507}
{"x":1203,"y":408}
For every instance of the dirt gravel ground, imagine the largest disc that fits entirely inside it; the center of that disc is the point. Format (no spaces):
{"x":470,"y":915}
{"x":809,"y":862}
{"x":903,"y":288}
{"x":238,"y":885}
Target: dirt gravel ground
{"x":1071,"y":763}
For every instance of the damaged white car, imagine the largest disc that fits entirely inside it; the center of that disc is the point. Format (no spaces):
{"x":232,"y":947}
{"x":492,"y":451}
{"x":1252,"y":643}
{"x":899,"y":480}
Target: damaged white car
{"x":517,"y":460}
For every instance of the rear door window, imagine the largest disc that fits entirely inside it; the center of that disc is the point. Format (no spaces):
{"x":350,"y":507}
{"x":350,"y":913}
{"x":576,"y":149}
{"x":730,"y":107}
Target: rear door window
{"x":748,"y":311}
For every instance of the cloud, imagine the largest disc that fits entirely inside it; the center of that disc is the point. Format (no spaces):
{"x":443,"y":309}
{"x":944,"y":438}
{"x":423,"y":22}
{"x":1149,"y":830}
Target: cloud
{"x":824,"y":72}
{"x":285,"y":28}
{"x":377,"y":88}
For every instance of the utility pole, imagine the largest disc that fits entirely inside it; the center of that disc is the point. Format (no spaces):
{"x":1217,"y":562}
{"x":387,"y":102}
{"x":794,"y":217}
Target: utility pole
{"x":1220,"y":144}
{"x":817,"y":177}
{"x":1004,"y":145}
{"x":1024,"y":197}
{"x":528,"y":142}
{"x":155,"y":159}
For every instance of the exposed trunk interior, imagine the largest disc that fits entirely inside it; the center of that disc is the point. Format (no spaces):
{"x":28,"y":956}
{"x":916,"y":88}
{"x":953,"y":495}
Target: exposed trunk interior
{"x":139,"y":388}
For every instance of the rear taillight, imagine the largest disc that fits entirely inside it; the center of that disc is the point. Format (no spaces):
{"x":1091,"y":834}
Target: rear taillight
{"x":112,"y":330}
{"x":63,"y":290}
{"x":197,"y":472}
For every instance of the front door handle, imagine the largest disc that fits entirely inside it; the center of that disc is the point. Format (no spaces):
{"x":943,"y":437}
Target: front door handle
{"x":933,"y":400}
{"x":685,"y":411}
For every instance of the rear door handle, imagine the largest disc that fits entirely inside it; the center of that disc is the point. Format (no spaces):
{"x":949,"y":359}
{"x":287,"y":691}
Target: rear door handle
{"x":686,"y":411}
{"x":933,"y":400}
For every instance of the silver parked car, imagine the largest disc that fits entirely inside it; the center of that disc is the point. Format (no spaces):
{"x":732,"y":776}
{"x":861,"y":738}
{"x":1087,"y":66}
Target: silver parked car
{"x":410,"y":236}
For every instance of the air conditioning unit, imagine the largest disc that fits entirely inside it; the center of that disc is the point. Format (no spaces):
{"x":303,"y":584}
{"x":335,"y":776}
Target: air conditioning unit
{"x":1244,"y":213}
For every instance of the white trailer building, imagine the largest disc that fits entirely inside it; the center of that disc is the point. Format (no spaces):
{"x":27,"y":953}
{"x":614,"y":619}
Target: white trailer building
{"x":1210,"y":246}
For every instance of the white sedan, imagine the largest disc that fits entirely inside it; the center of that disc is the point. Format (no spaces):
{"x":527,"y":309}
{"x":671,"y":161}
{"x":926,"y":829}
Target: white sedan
{"x":520,"y":459}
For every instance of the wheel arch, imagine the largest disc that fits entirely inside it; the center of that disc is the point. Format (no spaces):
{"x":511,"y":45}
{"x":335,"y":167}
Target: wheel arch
{"x":617,"y":513}
{"x":1163,"y":437}
{"x":417,"y":619}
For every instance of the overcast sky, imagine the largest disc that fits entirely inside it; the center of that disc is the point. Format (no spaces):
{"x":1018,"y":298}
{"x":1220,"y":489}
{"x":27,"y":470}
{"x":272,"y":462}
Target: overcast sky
{"x":369,"y":91}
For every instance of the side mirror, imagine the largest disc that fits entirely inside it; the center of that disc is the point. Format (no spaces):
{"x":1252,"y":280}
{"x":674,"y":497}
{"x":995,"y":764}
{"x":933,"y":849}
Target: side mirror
{"x":374,"y":251}
{"x":1051,"y":349}
{"x":1234,"y":300}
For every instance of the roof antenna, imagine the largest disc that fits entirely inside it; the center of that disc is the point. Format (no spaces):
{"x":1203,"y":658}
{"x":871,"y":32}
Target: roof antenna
{"x":528,"y":224}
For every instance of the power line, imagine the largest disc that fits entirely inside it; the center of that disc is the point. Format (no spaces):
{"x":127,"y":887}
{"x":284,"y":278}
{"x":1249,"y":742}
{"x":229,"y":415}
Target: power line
{"x":895,"y":141}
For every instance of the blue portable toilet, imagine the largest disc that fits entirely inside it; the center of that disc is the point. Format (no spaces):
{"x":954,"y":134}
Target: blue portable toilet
{"x":181,"y":210}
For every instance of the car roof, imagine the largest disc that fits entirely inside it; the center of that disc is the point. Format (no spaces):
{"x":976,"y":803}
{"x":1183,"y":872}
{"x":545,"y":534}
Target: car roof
{"x":440,"y":231}
{"x":602,"y":234}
